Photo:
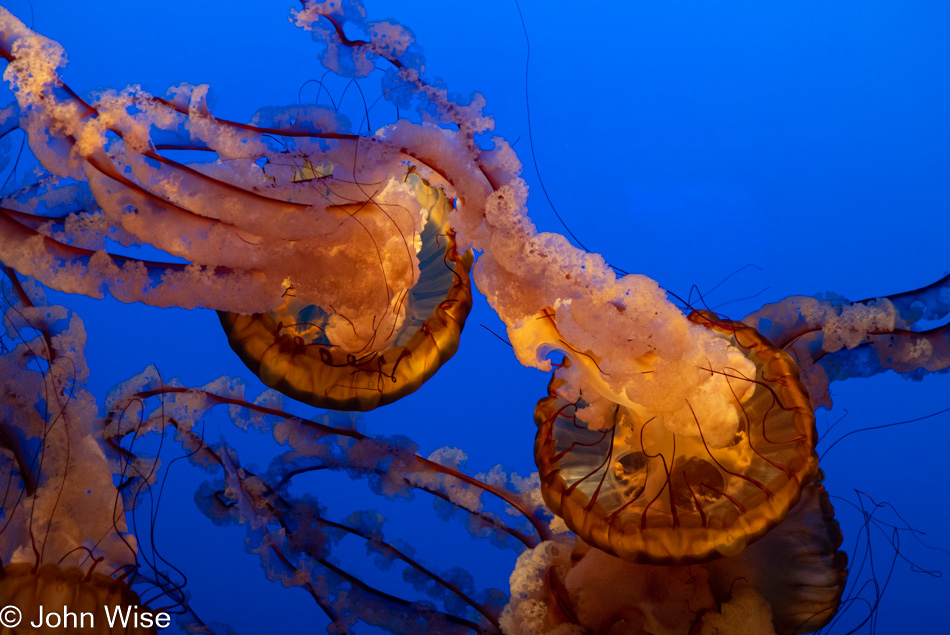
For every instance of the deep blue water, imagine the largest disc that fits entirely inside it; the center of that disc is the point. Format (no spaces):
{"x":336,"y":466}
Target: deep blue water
{"x":683,"y":140}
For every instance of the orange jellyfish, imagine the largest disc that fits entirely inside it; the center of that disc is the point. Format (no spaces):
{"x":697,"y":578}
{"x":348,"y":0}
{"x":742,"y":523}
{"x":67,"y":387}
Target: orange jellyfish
{"x":742,"y":520}
{"x":649,"y":491}
{"x":289,"y":350}
{"x":738,"y":521}
{"x":311,"y":241}
{"x":329,"y":254}
{"x":790,"y":581}
{"x":68,"y":558}
{"x":324,"y":230}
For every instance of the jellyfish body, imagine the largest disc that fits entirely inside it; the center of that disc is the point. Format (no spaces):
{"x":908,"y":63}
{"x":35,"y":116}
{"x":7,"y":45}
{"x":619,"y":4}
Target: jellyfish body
{"x":298,"y":206}
{"x":82,"y":593}
{"x":64,"y":542}
{"x":647,"y":493}
{"x":804,"y":592}
{"x":666,"y":440}
{"x":329,"y":254}
{"x":289,"y":351}
{"x":790,"y":581}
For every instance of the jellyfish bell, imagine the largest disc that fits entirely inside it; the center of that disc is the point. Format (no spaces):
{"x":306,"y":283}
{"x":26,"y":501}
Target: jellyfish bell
{"x":80,"y":592}
{"x":289,"y":349}
{"x":790,"y":581}
{"x":805,"y":592}
{"x":648,"y":490}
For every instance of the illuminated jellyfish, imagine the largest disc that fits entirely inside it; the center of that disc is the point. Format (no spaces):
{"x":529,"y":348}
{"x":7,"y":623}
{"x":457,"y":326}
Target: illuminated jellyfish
{"x":737,"y":517}
{"x":644,"y":493}
{"x":670,"y":492}
{"x":299,"y":541}
{"x":788,"y":582}
{"x":329,"y":254}
{"x":632,"y":352}
{"x":263,"y":223}
{"x":64,"y":541}
{"x":290,"y":351}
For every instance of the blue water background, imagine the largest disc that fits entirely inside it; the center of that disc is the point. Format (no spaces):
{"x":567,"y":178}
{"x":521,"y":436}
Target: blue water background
{"x":683,"y":140}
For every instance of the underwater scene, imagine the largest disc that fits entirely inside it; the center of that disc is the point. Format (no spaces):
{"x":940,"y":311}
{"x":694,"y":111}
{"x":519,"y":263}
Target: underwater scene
{"x":507,"y":317}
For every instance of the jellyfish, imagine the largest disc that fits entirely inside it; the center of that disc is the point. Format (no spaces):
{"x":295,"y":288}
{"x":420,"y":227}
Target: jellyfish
{"x":299,"y":540}
{"x":246,"y":240}
{"x":69,"y":558}
{"x":639,"y":494}
{"x":641,"y":354}
{"x":653,"y":492}
{"x":290,"y":350}
{"x":329,"y":254}
{"x":790,"y":581}
{"x":730,"y":532}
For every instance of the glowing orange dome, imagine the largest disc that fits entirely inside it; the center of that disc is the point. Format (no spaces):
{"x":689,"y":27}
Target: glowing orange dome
{"x":288,"y":350}
{"x":637,"y":490}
